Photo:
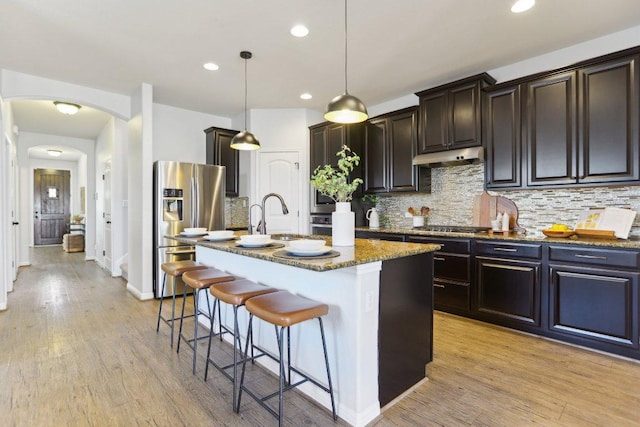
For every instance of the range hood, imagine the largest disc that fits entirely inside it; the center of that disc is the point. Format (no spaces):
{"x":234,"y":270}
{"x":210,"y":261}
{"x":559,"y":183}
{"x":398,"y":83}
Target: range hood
{"x":450,"y":158}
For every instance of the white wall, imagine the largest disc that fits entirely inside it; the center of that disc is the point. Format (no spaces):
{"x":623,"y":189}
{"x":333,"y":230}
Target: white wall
{"x":104,"y":148}
{"x":178,"y":134}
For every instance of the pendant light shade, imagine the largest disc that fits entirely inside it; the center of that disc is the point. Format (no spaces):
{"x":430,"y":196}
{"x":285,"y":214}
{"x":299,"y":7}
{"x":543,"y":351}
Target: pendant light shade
{"x":346,"y":108}
{"x":245,"y":140}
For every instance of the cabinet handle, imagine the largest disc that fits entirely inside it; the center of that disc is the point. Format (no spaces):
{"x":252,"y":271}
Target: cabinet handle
{"x":435,"y":285}
{"x":590,"y":256}
{"x":437,"y":258}
{"x":505,"y":249}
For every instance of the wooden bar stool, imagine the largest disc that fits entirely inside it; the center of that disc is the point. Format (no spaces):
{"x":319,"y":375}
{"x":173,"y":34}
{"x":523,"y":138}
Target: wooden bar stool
{"x":284,"y":309}
{"x":174,"y":269}
{"x":200,"y":280}
{"x":236,"y":294}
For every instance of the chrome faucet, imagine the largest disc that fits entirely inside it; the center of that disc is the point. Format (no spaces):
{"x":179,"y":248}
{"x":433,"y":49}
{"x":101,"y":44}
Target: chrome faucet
{"x":262,"y":227}
{"x":251,"y":225}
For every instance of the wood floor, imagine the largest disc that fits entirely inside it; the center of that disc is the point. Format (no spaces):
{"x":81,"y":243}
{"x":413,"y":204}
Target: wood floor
{"x":76,"y":349}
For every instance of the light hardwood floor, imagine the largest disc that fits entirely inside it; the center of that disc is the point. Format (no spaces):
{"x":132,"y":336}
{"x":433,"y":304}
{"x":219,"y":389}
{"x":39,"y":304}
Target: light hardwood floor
{"x":76,"y":349}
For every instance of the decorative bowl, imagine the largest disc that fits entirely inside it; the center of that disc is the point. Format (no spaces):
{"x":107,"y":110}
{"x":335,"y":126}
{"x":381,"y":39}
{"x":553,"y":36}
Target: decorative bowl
{"x":221,"y":234}
{"x":255,"y":238}
{"x":307,"y":244}
{"x":195,"y":230}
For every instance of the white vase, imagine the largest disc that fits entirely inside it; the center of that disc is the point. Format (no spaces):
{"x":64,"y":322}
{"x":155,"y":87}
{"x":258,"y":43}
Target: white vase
{"x":343,"y":223}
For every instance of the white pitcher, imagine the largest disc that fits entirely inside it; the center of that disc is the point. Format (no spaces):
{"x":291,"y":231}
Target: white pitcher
{"x":374,"y":219}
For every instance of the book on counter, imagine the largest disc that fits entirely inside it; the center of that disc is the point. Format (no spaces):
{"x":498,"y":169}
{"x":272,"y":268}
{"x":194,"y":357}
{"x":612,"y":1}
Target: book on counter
{"x":617,"y":221}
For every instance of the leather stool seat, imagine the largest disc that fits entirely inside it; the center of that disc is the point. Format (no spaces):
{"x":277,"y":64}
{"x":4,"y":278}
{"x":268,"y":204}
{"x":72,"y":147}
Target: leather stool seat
{"x":200,"y":280}
{"x":283,"y":310}
{"x":235,"y":293}
{"x":174,"y":270}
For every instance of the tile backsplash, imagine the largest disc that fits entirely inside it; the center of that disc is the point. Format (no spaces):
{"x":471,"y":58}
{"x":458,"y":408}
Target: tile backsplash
{"x":236,"y":212}
{"x":454,"y":187}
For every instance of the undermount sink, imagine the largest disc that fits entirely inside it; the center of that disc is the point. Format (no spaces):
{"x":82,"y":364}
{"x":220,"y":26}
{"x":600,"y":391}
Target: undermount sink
{"x":285,"y":236}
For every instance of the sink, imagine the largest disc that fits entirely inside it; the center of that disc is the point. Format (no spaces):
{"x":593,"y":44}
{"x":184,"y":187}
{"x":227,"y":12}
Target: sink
{"x":285,"y":236}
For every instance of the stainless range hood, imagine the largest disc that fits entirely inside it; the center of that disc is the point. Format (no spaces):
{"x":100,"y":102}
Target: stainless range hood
{"x":450,"y":158}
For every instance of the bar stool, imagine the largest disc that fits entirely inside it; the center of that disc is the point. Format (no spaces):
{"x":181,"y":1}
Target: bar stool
{"x":174,"y":269}
{"x":284,"y":309}
{"x":200,"y":280}
{"x":236,"y":294}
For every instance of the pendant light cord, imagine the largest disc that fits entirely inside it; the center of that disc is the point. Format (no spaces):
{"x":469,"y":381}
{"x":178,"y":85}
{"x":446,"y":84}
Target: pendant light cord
{"x":245,"y":93}
{"x":345,"y":47}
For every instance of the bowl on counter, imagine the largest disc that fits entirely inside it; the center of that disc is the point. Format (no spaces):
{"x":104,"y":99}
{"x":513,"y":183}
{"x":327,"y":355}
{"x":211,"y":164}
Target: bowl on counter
{"x":221,"y":234}
{"x":195,"y":230}
{"x":255,"y":239}
{"x":307,"y":244}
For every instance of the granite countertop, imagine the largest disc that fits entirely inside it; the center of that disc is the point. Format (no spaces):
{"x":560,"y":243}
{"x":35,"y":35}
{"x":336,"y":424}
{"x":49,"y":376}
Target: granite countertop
{"x":364,"y":251}
{"x":631,"y":243}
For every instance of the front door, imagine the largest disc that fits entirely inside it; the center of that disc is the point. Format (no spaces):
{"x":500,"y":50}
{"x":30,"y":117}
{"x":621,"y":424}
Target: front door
{"x":50,"y":206}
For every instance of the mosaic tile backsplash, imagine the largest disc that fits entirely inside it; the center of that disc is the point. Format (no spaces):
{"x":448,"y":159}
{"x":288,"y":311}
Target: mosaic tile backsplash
{"x":454,"y":187}
{"x":236,"y":212}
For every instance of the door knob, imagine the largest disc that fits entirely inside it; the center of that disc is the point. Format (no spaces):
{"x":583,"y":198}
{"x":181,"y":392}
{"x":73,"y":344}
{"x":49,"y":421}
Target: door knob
{"x":16,"y":223}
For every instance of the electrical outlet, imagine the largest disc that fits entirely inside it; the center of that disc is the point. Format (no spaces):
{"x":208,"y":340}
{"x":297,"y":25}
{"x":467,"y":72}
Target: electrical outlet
{"x":368,"y":301}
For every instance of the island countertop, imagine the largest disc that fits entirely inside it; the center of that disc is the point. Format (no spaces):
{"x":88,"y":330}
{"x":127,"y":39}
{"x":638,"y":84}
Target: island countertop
{"x":365,"y":251}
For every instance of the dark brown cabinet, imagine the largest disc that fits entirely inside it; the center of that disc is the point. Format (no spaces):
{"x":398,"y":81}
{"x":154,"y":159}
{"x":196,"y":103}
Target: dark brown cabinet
{"x":577,"y":126}
{"x":509,"y":282}
{"x":591,"y":303}
{"x":451,"y":273}
{"x":219,"y":152}
{"x":390,"y":144}
{"x":326,"y":139}
{"x":451,"y":115}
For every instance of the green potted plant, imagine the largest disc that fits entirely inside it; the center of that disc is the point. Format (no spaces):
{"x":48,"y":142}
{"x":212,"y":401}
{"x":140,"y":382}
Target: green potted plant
{"x":336,"y":184}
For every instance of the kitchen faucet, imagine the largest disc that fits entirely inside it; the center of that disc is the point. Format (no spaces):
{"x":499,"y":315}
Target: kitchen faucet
{"x":251,"y":225}
{"x":262,"y":227}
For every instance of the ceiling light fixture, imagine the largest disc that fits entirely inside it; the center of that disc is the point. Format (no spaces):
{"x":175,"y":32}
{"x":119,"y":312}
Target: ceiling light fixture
{"x":54,"y":153}
{"x":346,"y":108}
{"x":245,"y":140}
{"x":306,"y":96}
{"x":299,"y":31}
{"x":211,"y":66}
{"x":67,"y":107}
{"x":522,"y":6}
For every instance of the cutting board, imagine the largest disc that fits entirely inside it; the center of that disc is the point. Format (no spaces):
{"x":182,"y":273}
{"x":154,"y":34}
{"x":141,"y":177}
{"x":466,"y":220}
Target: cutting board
{"x":486,"y":208}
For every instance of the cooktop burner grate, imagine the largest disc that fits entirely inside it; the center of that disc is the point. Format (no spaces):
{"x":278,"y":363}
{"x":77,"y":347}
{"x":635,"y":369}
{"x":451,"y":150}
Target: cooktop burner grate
{"x":453,"y":228}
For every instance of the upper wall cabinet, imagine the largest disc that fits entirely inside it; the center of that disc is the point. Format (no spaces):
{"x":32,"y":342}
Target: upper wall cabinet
{"x":219,"y":152}
{"x":390,"y":144}
{"x":577,"y":126}
{"x":451,"y":115}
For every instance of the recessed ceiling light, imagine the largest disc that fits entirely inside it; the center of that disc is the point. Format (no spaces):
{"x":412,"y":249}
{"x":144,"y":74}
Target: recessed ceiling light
{"x":522,"y":5}
{"x":211,"y":66}
{"x":299,"y":31}
{"x":306,"y":96}
{"x":67,"y":107}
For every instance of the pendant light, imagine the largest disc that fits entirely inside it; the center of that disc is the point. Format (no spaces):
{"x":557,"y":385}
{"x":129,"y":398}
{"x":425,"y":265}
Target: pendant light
{"x":245,"y":140}
{"x":346,"y":108}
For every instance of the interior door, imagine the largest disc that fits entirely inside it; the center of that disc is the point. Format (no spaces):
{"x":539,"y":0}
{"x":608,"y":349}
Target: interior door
{"x":107,"y":218}
{"x":50,"y":206}
{"x":279,"y":173}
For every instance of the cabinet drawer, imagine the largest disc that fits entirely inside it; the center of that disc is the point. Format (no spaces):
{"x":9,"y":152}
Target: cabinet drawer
{"x":460,"y":246}
{"x":452,"y":267}
{"x":509,"y":249}
{"x":595,"y":256}
{"x":451,"y":295}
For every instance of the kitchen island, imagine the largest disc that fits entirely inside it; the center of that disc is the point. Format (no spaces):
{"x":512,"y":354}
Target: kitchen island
{"x":380,"y":321}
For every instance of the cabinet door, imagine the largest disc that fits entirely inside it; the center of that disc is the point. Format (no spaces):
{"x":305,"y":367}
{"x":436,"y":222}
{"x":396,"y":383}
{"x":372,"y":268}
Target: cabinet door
{"x":318,"y":157}
{"x":434,"y":123}
{"x":608,"y":111}
{"x":550,"y":130}
{"x":503,"y":136}
{"x":509,"y":290}
{"x":376,"y":172}
{"x":403,"y":140}
{"x":465,"y":116}
{"x":597,"y":304}
{"x":219,"y":152}
{"x":336,"y":138}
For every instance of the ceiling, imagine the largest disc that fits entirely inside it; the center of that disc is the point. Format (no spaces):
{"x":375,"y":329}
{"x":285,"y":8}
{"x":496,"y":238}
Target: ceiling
{"x":395,"y":48}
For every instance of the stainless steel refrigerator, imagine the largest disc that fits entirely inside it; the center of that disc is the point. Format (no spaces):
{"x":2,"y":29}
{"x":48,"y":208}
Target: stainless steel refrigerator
{"x":184,"y":195}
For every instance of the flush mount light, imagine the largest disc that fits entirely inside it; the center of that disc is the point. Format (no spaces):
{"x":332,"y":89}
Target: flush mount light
{"x":245,"y":140}
{"x":54,"y":153}
{"x":299,"y":31}
{"x":346,"y":108}
{"x":211,"y":66}
{"x":522,"y":6}
{"x":67,"y":107}
{"x":306,"y":96}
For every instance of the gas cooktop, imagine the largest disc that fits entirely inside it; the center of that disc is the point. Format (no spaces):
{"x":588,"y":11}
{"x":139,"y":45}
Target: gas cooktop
{"x":453,"y":228}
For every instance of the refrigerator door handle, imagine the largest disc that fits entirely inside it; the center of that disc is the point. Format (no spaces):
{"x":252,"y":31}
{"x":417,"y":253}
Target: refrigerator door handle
{"x":193,"y":203}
